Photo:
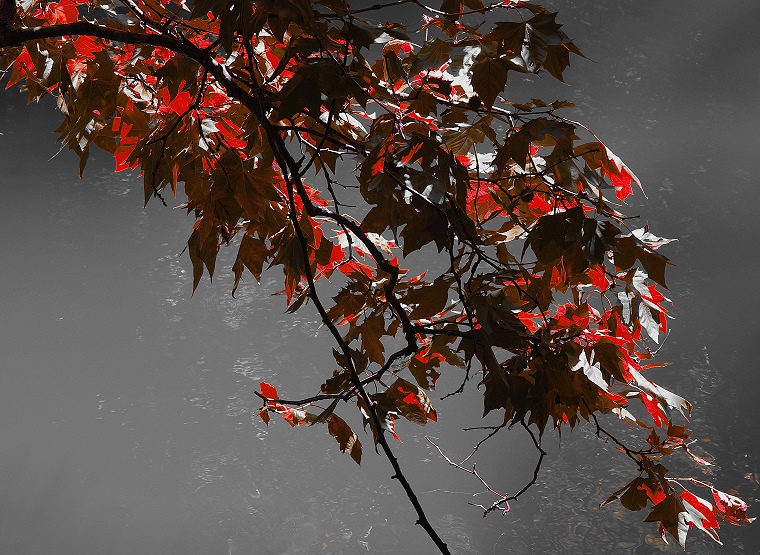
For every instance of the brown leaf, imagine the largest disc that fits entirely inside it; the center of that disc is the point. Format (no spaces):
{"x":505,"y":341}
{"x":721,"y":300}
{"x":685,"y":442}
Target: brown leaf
{"x":347,"y":439}
{"x":412,"y":402}
{"x":202,"y":254}
{"x":666,"y":512}
{"x":489,"y":77}
{"x":252,"y":254}
{"x":372,"y":329}
{"x":429,"y":299}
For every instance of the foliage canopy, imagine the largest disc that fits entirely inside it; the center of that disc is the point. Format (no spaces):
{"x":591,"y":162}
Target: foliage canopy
{"x":323,"y":139}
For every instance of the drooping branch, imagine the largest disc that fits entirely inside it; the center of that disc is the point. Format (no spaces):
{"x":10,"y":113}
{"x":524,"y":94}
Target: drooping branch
{"x":295,"y":186}
{"x":14,"y":37}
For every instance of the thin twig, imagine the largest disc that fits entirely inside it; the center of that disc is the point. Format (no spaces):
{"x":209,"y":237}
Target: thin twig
{"x":503,"y":499}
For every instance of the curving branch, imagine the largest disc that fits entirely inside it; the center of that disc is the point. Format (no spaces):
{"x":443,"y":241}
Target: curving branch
{"x":12,"y":36}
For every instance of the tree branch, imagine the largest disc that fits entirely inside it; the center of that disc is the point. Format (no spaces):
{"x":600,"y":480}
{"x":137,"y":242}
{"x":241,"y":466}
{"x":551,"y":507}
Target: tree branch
{"x":496,"y":504}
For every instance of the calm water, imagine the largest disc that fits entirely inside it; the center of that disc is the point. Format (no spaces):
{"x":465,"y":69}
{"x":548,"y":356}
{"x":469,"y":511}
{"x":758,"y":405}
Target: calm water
{"x":126,"y":404}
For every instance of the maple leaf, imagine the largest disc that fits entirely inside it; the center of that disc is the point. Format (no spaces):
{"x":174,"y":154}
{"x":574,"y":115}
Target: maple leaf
{"x":668,"y":514}
{"x":411,"y":401}
{"x":489,"y":77}
{"x":699,"y":513}
{"x":268,"y":390}
{"x":346,"y":438}
{"x":649,"y":239}
{"x":730,"y":508}
{"x":598,"y":156}
{"x":666,"y":399}
{"x":592,"y":370}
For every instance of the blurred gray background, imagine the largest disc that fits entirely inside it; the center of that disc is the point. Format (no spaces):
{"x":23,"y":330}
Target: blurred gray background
{"x":126,"y":404}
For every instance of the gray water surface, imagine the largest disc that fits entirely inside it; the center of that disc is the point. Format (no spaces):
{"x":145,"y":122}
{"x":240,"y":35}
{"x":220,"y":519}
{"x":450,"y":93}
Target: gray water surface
{"x":126,"y":406}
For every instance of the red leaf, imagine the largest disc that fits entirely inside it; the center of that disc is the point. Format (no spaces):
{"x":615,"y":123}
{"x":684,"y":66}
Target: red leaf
{"x":294,"y":417}
{"x":464,"y":160}
{"x":124,"y":151}
{"x":622,"y":183}
{"x":268,"y":391}
{"x":598,"y":277}
{"x":64,"y":11}
{"x":619,"y":174}
{"x":180,"y":103}
{"x":355,"y":269}
{"x":86,"y":47}
{"x":700,"y":513}
{"x":655,"y":495}
{"x":667,"y":399}
{"x":653,"y":408}
{"x":730,"y":508}
{"x":231,"y":133}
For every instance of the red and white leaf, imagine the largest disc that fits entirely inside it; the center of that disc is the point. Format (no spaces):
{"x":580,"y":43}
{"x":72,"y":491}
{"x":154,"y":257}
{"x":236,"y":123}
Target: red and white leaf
{"x":669,"y":399}
{"x":730,"y":508}
{"x":699,"y":513}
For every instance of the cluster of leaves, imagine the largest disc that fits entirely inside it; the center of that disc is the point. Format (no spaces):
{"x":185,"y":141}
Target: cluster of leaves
{"x":676,"y":509}
{"x":257,"y":110}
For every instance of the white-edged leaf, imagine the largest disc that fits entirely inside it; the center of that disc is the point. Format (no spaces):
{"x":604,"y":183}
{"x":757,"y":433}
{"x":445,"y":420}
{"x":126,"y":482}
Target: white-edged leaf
{"x":625,"y":300}
{"x":649,"y":239}
{"x":592,"y":370}
{"x":649,"y":324}
{"x":670,"y":399}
